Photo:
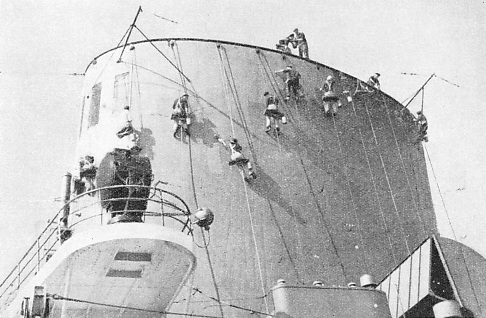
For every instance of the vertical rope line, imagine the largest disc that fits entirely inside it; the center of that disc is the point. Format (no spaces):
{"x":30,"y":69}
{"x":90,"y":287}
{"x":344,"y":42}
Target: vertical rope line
{"x":130,"y":101}
{"x":236,"y":98}
{"x":135,"y":65}
{"x":216,"y":289}
{"x":453,"y":232}
{"x":299,"y":240}
{"x":213,"y":276}
{"x":375,"y":190}
{"x":345,"y":170}
{"x":183,"y":84}
{"x":417,"y":212}
{"x":256,"y":245}
{"x":246,"y":190}
{"x":275,"y":87}
{"x":266,"y":60}
{"x":178,"y":64}
{"x":387,"y":179}
{"x":423,"y":90}
{"x":226,"y":92}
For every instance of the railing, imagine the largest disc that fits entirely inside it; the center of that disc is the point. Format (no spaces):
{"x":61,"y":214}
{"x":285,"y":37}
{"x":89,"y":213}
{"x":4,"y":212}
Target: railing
{"x":85,"y":211}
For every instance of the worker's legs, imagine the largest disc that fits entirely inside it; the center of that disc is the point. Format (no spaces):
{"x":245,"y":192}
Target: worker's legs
{"x":250,"y":170}
{"x":334,"y":108}
{"x":326,"y":108}
{"x":267,"y":123}
{"x":304,"y":51}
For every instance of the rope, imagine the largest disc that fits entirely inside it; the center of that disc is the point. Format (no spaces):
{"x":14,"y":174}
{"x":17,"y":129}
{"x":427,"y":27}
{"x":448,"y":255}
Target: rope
{"x":206,"y":244}
{"x":387,"y":179}
{"x":236,"y":100}
{"x":134,"y":64}
{"x":452,"y":229}
{"x":422,"y":108}
{"x":183,"y":83}
{"x":350,"y":193}
{"x":235,"y":306}
{"x":158,"y":50}
{"x":403,"y":167}
{"x":271,"y":75}
{"x":299,"y":239}
{"x":211,"y":269}
{"x":278,"y":92}
{"x":296,"y":98}
{"x":375,"y":190}
{"x":59,"y":297}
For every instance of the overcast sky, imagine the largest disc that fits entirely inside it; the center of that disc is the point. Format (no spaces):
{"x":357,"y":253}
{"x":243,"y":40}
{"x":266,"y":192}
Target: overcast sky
{"x":42,"y":42}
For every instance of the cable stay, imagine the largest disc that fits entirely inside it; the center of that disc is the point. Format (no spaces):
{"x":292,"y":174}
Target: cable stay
{"x":59,"y":297}
{"x":419,"y":90}
{"x":158,"y":16}
{"x":452,"y":228}
{"x":196,"y":290}
{"x":130,"y":32}
{"x":132,"y":26}
{"x":158,"y":50}
{"x":423,"y":86}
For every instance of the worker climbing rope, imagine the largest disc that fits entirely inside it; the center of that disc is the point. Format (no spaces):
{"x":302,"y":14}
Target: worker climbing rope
{"x":330,"y":98}
{"x":237,"y":157}
{"x":180,"y":115}
{"x":423,"y":125}
{"x":292,"y":82}
{"x":128,"y":137}
{"x":272,"y":114}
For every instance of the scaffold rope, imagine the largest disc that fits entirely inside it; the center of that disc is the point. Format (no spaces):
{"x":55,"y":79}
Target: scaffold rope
{"x":355,"y":208}
{"x":387,"y":178}
{"x":375,"y":190}
{"x":402,"y":161}
{"x":250,"y":214}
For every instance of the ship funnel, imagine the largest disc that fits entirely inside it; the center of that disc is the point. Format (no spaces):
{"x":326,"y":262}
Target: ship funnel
{"x":367,"y":281}
{"x":447,"y":309}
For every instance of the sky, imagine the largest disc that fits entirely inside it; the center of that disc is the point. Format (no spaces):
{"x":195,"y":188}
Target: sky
{"x":44,"y":42}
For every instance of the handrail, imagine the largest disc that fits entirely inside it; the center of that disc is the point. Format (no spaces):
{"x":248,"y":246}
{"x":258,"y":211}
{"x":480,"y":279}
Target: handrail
{"x":50,"y":238}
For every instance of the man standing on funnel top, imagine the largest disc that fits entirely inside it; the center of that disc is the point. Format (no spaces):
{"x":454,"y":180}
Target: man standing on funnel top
{"x":301,"y":42}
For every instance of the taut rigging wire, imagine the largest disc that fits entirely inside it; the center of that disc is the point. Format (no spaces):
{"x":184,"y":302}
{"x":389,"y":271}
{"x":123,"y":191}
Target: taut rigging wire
{"x":416,"y":208}
{"x":59,"y":297}
{"x":452,"y":229}
{"x":355,"y":208}
{"x":387,"y":178}
{"x":238,"y":106}
{"x":395,"y":261}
